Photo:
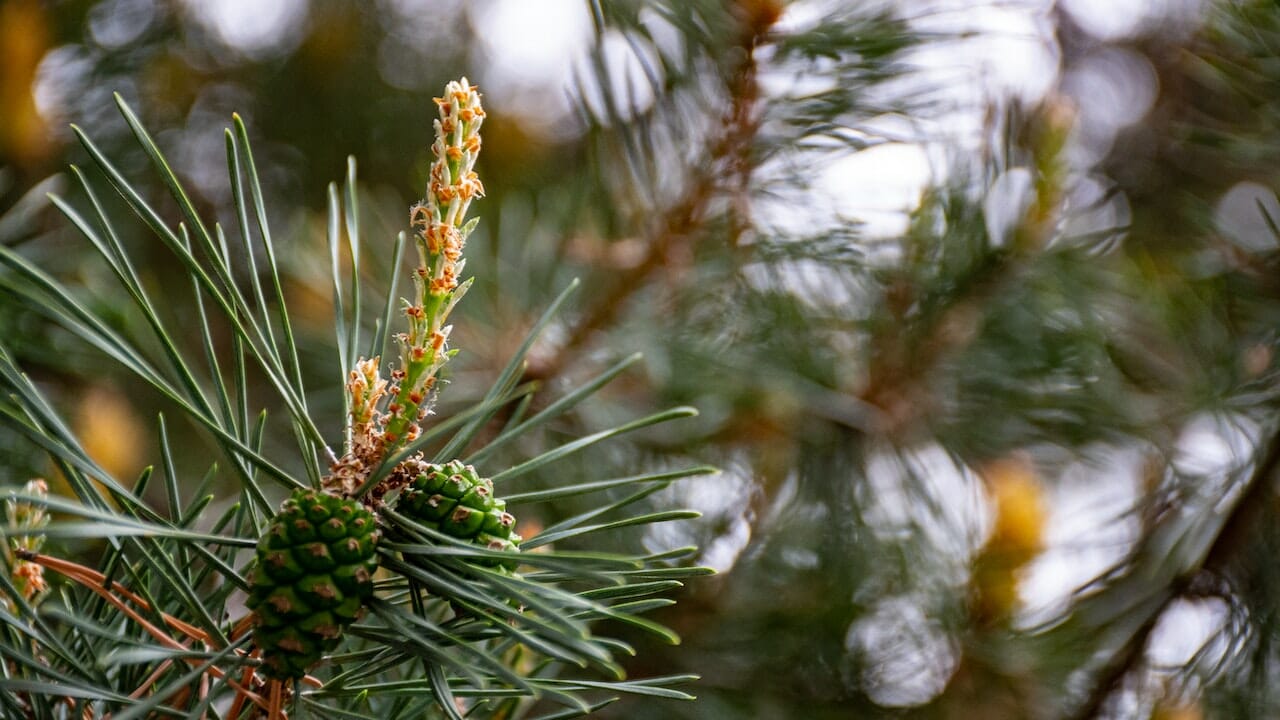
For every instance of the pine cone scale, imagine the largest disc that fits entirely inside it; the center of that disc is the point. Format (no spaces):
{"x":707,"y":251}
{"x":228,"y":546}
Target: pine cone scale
{"x":453,"y":499}
{"x":314,"y":572}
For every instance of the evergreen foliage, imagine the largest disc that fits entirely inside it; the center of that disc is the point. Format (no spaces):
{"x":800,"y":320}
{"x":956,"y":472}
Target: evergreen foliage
{"x":165,"y":629}
{"x":1058,"y":371}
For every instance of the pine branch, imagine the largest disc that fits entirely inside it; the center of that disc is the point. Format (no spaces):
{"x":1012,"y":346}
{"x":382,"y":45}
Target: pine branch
{"x":1250,"y":508}
{"x":926,"y":325}
{"x":728,"y":166}
{"x":489,"y":625}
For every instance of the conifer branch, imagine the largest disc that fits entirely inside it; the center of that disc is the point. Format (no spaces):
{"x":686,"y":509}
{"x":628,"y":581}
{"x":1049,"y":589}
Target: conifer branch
{"x":728,"y":168}
{"x":926,"y":327}
{"x":1252,"y":507}
{"x":457,"y":597}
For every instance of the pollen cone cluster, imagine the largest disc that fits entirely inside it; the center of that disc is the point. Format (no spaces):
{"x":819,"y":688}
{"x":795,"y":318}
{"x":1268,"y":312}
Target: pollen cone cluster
{"x":314,"y":573}
{"x":315,"y":564}
{"x":27,"y":577}
{"x":455,"y":500}
{"x":441,"y":231}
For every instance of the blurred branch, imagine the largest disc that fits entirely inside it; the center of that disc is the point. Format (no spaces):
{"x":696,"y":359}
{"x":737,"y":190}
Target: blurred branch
{"x":928,"y":323}
{"x":1236,"y":530}
{"x":1124,"y":662}
{"x":730,"y":152}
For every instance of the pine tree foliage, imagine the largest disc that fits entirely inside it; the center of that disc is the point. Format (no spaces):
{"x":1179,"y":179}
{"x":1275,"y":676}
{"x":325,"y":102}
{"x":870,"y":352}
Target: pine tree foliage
{"x":962,"y":365}
{"x":158,"y":626}
{"x":903,"y":418}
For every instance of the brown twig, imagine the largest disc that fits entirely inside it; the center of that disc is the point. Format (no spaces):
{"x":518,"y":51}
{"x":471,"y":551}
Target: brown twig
{"x":242,"y":626}
{"x":204,"y":693}
{"x":99,"y":584}
{"x":151,"y":679}
{"x":237,"y":707}
{"x":275,"y":709}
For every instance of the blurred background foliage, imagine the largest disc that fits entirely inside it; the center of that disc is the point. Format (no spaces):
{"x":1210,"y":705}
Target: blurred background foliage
{"x":978,"y":302}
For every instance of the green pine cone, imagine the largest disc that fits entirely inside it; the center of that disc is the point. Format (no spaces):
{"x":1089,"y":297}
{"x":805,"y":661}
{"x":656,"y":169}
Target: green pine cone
{"x":455,"y":500}
{"x":314,"y":572}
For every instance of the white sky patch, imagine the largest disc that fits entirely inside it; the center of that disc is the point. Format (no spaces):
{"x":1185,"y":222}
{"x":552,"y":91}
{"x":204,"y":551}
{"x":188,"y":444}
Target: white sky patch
{"x":1006,"y":204}
{"x":799,"y":16}
{"x":530,"y":52}
{"x":1007,"y":48}
{"x":259,"y":30}
{"x":1091,"y":524}
{"x":878,"y":186}
{"x":1110,"y":20}
{"x":1092,"y":213}
{"x":1185,"y":629}
{"x":1213,"y":445}
{"x":985,"y":51}
{"x":1090,"y":529}
{"x":896,"y":499}
{"x":908,"y":657}
{"x":526,"y":54}
{"x":1239,"y":217}
{"x":784,"y":82}
{"x":62,"y":75}
{"x":117,"y":23}
{"x":813,"y":281}
{"x":1114,"y":88}
{"x":630,"y":89}
{"x":724,"y":499}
